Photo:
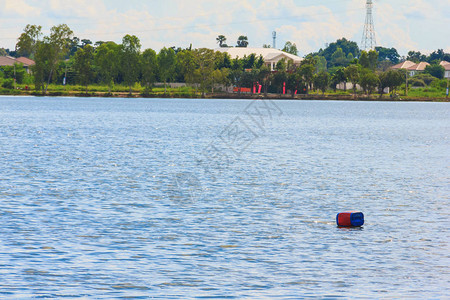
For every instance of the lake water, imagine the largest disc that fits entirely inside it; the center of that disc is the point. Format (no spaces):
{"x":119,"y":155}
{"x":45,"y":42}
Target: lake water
{"x":173,"y":198}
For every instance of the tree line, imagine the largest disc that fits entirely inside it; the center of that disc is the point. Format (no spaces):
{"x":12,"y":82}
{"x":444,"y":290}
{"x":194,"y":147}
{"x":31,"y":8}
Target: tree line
{"x":62,"y":57}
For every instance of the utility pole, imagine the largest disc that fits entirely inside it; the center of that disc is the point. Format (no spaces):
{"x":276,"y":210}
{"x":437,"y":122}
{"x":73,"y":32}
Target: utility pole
{"x":14,"y":75}
{"x":368,"y":40}
{"x":406,"y":83}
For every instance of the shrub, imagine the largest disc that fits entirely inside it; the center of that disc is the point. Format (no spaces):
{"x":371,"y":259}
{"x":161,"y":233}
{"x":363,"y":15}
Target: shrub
{"x":8,"y":84}
{"x":426,"y":78}
{"x":440,"y":84}
{"x":416,"y":82}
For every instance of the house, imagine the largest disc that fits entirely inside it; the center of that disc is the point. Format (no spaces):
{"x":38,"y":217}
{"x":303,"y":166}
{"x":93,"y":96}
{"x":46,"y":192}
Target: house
{"x":10,"y":61}
{"x":417,"y":68}
{"x":270,"y":56}
{"x":412,"y":67}
{"x":7,"y":61}
{"x":446,"y":66}
{"x":403,"y":65}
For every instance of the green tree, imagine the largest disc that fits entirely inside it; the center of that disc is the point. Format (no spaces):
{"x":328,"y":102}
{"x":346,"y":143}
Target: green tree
{"x":352,"y":73}
{"x":280,"y":77}
{"x":28,"y":40}
{"x":293,"y":81}
{"x":338,"y":58}
{"x":237,"y":71}
{"x":204,"y":59}
{"x":290,"y":48}
{"x":391,"y":79}
{"x":17,"y":71}
{"x":149,"y":66}
{"x":186,"y":61}
{"x":389,"y":54}
{"x":59,"y":41}
{"x":322,"y":80}
{"x":221,"y":39}
{"x":44,"y":64}
{"x":264,"y":77}
{"x":364,"y":60}
{"x":369,"y":81}
{"x":373,"y":59}
{"x":416,"y":56}
{"x":74,"y":45}
{"x":339,"y":77}
{"x":85,"y":42}
{"x":129,"y":62}
{"x":166,"y":65}
{"x":435,"y":70}
{"x":346,"y":46}
{"x":242,"y":41}
{"x":48,"y":54}
{"x":83,"y":65}
{"x":321,"y":63}
{"x":107,"y":60}
{"x":306,"y":71}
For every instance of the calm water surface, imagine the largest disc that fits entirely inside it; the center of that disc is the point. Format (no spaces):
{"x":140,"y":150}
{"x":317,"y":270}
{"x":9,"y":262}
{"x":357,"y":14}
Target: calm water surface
{"x":113,"y":198}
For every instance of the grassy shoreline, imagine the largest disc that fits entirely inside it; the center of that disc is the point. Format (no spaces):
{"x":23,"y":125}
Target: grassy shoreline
{"x":190,"y":93}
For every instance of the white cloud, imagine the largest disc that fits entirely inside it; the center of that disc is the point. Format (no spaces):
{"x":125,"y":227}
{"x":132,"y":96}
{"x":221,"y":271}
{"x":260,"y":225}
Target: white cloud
{"x":309,"y":24}
{"x":20,"y":8}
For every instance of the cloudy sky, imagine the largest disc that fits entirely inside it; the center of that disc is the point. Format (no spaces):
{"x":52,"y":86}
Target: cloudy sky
{"x":404,"y":24}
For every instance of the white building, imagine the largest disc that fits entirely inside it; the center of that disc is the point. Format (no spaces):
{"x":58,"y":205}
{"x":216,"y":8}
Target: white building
{"x":270,"y":56}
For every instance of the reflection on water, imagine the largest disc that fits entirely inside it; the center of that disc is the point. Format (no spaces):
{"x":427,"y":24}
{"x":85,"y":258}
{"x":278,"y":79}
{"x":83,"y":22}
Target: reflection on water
{"x":106,"y":198}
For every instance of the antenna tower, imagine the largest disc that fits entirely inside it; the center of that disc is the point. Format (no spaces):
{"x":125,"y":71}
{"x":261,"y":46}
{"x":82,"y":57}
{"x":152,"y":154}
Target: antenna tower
{"x":368,"y":40}
{"x":274,"y":35}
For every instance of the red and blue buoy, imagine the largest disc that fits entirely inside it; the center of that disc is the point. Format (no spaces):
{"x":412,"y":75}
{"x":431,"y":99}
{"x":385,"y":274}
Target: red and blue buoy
{"x":350,"y":219}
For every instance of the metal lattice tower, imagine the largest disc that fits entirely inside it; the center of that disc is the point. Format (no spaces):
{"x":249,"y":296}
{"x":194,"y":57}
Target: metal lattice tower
{"x":368,"y":40}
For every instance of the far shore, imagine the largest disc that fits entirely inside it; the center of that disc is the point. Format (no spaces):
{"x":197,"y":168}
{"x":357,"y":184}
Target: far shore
{"x":244,"y":96}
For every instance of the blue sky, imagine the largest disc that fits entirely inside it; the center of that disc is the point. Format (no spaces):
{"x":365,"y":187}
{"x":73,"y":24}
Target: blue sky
{"x":404,"y":24}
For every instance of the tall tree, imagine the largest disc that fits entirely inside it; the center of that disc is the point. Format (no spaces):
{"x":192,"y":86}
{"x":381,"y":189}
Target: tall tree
{"x":290,"y":48}
{"x":221,"y":39}
{"x":373,"y":59}
{"x":391,"y":79}
{"x":83,"y":65}
{"x":339,"y":77}
{"x":338,"y":58}
{"x":166,"y":65}
{"x":307,"y":70}
{"x":44,"y":60}
{"x":131,"y":47}
{"x":204,"y":59}
{"x":346,"y":46}
{"x":364,"y":60}
{"x":242,"y":41}
{"x":28,"y":40}
{"x":186,"y":61}
{"x":322,"y":80}
{"x":352,"y":73}
{"x":58,"y":40}
{"x":264,"y":77}
{"x":369,"y":81}
{"x":435,"y":70}
{"x":416,"y":56}
{"x":149,"y":66}
{"x":389,"y":54}
{"x":107,"y":60}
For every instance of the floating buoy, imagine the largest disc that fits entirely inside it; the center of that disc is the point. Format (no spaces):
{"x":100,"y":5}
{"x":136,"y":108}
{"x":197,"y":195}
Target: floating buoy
{"x":350,"y":219}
